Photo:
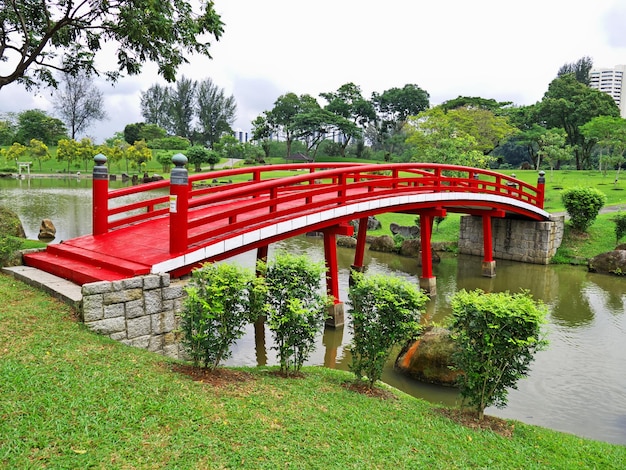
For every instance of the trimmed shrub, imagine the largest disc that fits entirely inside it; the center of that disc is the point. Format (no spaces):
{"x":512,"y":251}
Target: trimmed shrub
{"x":385,"y":312}
{"x":583,"y":206}
{"x":221,"y":301}
{"x":296,"y":307}
{"x":497,"y":335}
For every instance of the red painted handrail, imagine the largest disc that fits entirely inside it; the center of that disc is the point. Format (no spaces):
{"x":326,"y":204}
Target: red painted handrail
{"x":245,"y":204}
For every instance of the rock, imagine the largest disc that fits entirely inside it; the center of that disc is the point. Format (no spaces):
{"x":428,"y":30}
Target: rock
{"x":428,"y":359}
{"x":611,"y":262}
{"x":372,"y":223}
{"x":47,"y":231}
{"x":346,"y":242}
{"x":405,"y":230}
{"x":411,"y":248}
{"x":10,"y":224}
{"x":383,"y":243}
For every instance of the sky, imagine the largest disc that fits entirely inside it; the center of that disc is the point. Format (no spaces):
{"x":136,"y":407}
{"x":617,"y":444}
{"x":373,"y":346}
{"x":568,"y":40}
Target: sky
{"x":504,"y":50}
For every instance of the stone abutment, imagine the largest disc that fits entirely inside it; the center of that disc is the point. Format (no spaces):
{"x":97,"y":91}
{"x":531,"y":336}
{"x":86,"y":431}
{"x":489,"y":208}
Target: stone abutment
{"x":513,"y":239}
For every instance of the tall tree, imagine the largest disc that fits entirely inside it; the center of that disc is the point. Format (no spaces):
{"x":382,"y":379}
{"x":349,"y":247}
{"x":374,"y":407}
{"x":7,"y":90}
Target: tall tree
{"x":216,"y":112}
{"x":393,"y":107}
{"x":580,"y":69}
{"x":155,"y":104}
{"x":36,"y":124}
{"x":281,"y":117}
{"x":39,"y":36}
{"x":348,"y":103}
{"x":569,"y":104}
{"x":182,"y":107}
{"x":79,"y":103}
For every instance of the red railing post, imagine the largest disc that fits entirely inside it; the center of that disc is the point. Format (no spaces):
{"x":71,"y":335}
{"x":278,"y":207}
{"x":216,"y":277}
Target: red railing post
{"x":541,"y":188}
{"x":100,"y":195}
{"x":179,"y":204}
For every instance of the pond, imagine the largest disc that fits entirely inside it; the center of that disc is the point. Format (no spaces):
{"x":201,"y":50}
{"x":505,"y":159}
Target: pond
{"x":577,"y":385}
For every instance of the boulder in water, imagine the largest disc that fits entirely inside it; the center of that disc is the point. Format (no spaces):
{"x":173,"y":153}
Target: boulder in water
{"x":429,"y":358}
{"x":611,"y":262}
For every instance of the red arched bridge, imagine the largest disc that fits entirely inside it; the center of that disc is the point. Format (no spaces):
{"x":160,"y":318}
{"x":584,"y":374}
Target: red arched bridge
{"x":175,"y":225}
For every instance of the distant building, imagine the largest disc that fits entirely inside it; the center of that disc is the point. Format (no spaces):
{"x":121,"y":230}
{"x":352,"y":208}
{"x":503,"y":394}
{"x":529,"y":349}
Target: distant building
{"x":611,"y":81}
{"x":241,"y":136}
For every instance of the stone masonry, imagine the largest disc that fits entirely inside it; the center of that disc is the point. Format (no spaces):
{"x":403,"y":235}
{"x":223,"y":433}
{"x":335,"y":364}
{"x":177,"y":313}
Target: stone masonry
{"x":140,"y":311}
{"x":518,"y":240}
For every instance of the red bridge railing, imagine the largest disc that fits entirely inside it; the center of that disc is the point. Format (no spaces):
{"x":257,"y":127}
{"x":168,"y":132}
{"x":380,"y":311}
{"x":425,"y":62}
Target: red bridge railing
{"x":204,"y":207}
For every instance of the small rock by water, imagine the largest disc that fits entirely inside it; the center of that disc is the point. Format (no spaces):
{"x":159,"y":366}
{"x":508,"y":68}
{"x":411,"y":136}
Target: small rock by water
{"x":47,"y":231}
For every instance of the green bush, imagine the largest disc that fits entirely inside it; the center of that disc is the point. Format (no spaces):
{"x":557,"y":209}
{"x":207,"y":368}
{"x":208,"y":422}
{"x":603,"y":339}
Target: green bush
{"x":221,"y":301}
{"x":583,"y":206}
{"x":497,"y":335}
{"x":620,"y":226}
{"x":8,"y":249}
{"x":385,"y":312}
{"x":296,"y":307}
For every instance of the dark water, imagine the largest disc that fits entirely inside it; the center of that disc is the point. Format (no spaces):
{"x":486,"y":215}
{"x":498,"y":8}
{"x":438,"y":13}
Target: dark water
{"x":577,"y":385}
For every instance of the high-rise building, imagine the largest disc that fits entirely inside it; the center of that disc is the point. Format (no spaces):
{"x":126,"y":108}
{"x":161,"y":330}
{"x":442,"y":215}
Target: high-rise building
{"x":612,"y":82}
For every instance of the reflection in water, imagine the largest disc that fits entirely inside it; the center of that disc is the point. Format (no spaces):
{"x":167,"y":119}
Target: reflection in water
{"x":577,"y":385}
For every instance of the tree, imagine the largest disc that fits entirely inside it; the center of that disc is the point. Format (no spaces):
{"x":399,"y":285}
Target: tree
{"x":79,"y":103}
{"x":262,"y":132}
{"x":475,"y":102}
{"x":393,"y":107}
{"x":40,"y":36}
{"x":580,"y":69}
{"x":216,"y":112}
{"x":36,"y":124}
{"x":132,"y":132}
{"x":496,"y":337}
{"x":552,"y":148}
{"x":197,"y":155}
{"x":280,"y":119}
{"x":385,"y":313}
{"x":348,"y":103}
{"x":39,"y":151}
{"x":182,"y":107}
{"x":610,"y":135}
{"x":155,"y":106}
{"x":569,"y":104}
{"x":452,"y":137}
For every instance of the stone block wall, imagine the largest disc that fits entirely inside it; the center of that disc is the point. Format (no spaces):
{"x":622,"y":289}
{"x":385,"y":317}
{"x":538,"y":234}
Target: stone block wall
{"x":518,"y":240}
{"x":140,"y":311}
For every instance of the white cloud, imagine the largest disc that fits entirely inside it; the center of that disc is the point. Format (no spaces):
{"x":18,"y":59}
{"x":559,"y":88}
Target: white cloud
{"x":509,"y":51}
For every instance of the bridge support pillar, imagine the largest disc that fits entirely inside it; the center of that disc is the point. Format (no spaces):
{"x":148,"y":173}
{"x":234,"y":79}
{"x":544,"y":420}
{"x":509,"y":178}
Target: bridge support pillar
{"x":489,"y":264}
{"x":335,"y":311}
{"x":359,"y":253}
{"x":428,"y":282}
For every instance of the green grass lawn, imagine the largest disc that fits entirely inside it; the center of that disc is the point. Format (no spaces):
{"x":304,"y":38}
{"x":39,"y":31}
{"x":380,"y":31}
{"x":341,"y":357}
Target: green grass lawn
{"x":73,"y":399}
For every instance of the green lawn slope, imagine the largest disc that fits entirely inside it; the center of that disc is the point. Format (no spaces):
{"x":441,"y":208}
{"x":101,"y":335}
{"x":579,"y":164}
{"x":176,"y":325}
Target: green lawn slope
{"x":72,"y":399}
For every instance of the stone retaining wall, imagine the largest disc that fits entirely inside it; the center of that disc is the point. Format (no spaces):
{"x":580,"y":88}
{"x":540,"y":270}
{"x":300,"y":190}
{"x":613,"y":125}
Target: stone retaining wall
{"x":140,"y":311}
{"x":518,"y":240}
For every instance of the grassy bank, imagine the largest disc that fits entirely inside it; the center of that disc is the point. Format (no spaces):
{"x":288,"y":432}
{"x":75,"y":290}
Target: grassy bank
{"x":72,"y":399}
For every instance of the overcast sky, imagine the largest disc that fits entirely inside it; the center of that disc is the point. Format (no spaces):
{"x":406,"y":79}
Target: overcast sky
{"x":505,"y":50}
